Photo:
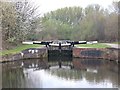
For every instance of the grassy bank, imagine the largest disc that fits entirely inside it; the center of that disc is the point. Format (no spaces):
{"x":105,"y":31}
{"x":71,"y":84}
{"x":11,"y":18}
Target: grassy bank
{"x":18,"y":49}
{"x":98,"y":45}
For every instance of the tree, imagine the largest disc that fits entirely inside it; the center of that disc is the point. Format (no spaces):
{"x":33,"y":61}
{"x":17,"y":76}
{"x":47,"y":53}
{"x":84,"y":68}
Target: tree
{"x":62,"y":22}
{"x":19,"y":20}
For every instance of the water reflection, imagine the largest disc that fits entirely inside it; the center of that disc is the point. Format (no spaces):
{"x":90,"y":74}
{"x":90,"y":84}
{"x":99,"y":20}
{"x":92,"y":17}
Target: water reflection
{"x":38,"y":74}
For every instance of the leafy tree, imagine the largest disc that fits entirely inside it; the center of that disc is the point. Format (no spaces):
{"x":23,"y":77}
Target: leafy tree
{"x":19,"y":21}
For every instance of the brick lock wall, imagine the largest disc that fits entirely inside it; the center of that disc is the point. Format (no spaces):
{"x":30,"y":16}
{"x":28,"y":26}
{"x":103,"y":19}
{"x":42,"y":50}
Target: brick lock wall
{"x":103,"y":53}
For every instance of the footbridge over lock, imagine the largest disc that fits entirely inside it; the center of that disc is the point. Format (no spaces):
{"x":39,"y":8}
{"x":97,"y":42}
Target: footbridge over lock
{"x":57,"y":49}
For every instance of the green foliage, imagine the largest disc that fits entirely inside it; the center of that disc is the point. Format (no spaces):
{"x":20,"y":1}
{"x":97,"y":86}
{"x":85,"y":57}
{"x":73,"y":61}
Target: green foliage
{"x":75,"y":23}
{"x":19,"y":21}
{"x":62,"y":23}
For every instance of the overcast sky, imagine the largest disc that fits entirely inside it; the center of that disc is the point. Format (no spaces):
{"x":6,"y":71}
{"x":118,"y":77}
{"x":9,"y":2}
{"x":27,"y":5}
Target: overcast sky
{"x":51,"y":5}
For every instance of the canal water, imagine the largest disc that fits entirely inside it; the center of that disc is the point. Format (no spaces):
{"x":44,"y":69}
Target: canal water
{"x":78,"y":73}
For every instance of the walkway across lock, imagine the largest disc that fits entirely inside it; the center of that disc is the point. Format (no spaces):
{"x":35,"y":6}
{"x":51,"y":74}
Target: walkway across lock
{"x":58,"y":49}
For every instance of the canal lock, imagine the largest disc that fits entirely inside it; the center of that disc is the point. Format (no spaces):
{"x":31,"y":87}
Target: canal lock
{"x":60,"y":57}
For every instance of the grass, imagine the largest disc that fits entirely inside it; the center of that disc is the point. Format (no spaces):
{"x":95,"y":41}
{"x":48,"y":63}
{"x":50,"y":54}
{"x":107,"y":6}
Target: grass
{"x":98,"y":45}
{"x":18,"y":49}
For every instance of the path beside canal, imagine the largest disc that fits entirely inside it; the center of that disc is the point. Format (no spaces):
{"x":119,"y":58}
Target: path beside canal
{"x":113,"y":45}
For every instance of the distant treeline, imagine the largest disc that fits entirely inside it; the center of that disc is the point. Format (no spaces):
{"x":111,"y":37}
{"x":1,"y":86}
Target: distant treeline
{"x":76,"y":23}
{"x":20,"y":22}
